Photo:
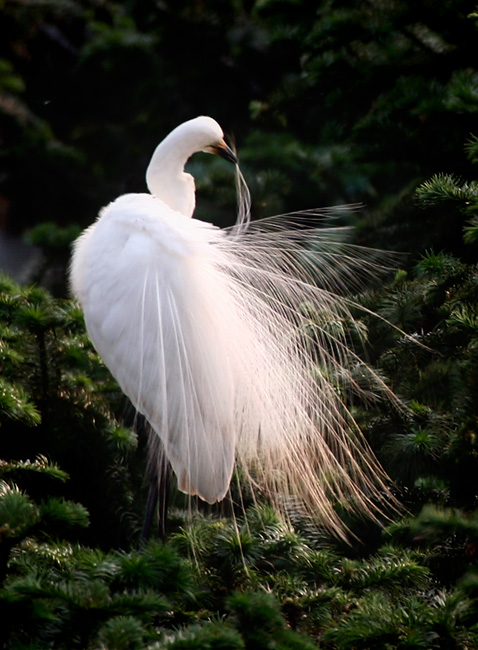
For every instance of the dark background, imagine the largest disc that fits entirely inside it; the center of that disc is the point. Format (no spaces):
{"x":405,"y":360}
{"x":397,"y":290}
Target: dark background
{"x":328,"y":103}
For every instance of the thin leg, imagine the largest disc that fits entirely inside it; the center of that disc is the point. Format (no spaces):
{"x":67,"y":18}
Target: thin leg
{"x":164,"y":489}
{"x":159,"y":490}
{"x":151,"y":504}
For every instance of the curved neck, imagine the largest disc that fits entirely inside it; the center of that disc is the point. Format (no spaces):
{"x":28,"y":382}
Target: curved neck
{"x":166,"y":178}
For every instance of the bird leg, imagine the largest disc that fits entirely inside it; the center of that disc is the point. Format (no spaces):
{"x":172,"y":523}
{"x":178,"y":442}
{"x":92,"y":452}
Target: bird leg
{"x":159,"y":490}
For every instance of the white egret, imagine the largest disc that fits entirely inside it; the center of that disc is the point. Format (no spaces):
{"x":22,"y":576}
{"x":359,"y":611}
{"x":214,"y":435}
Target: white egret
{"x":205,"y":330}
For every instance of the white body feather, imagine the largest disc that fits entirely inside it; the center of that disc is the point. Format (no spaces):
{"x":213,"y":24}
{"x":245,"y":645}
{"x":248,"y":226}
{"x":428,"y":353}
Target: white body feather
{"x":203,"y":330}
{"x":150,"y":298}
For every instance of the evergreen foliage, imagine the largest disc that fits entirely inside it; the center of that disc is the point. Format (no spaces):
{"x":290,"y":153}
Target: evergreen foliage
{"x":56,"y":403}
{"x":229,"y":583}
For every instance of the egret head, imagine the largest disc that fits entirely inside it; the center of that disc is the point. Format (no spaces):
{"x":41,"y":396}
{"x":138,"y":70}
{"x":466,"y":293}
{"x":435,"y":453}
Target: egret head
{"x":199,"y":134}
{"x":204,"y":134}
{"x":213,"y":132}
{"x":165,"y":175}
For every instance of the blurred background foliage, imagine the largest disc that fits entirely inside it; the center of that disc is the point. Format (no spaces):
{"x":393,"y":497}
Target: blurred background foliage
{"x":329,"y":102}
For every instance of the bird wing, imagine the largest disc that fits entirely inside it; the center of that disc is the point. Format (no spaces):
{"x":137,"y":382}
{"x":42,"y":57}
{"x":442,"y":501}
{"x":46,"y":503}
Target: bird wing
{"x":145,"y":278}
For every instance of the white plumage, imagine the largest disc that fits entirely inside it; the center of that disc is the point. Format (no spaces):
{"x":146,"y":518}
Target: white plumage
{"x":205,"y":331}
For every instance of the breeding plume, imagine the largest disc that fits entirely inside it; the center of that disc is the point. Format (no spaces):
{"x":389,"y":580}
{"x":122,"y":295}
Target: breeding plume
{"x":231,"y":342}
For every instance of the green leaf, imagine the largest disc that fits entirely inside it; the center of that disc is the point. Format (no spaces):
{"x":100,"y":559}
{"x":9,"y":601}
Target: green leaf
{"x":211,"y":636}
{"x":17,"y":512}
{"x":470,"y":231}
{"x":41,"y":465}
{"x":61,"y":513}
{"x":15,"y":404}
{"x":122,"y":633}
